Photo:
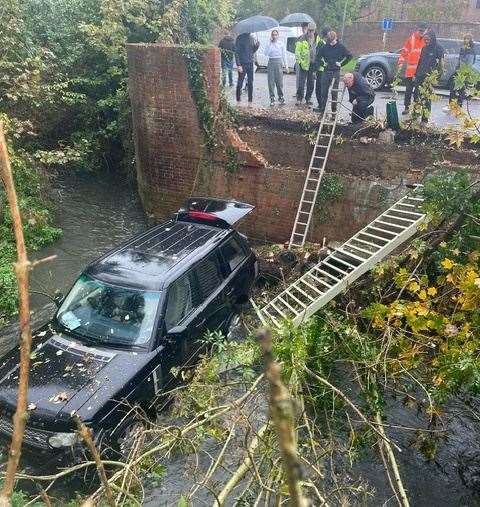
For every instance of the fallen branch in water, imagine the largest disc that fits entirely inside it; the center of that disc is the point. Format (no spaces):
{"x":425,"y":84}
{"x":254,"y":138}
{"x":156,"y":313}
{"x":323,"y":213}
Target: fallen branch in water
{"x":86,"y":435}
{"x":282,"y":413}
{"x":22,"y":268}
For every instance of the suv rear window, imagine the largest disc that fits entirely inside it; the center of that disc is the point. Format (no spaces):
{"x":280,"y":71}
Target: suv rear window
{"x":233,"y":253}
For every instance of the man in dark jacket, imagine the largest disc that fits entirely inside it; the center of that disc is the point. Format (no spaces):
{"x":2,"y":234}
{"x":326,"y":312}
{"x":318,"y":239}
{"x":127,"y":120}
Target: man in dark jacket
{"x":331,"y":56}
{"x":431,"y":59}
{"x":245,"y":49}
{"x":227,"y":51}
{"x":361,"y":96}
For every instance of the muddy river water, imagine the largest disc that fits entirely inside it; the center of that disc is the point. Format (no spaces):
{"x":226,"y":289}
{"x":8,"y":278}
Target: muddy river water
{"x":97,"y":213}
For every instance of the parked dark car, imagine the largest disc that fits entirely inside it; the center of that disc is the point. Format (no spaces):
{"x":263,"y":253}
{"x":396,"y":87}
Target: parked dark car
{"x":131,"y":316}
{"x":380,"y":69}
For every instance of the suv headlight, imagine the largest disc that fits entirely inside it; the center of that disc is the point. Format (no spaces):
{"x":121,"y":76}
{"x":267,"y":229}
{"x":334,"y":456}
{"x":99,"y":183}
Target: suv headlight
{"x":62,"y":440}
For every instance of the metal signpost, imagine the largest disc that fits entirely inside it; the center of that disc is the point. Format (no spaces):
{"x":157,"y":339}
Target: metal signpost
{"x":387,"y":25}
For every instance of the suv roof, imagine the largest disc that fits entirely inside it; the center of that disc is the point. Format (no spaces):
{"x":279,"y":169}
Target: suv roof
{"x":147,"y":261}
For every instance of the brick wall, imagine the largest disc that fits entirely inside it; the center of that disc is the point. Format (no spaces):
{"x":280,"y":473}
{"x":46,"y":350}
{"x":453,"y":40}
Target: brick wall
{"x":366,"y":37}
{"x":168,"y":139}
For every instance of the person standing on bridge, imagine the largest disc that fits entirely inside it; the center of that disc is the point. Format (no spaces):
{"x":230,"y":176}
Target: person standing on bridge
{"x":305,"y":54}
{"x":408,"y":61}
{"x":321,"y":41}
{"x":277,"y":61}
{"x":466,"y":57}
{"x":245,"y":48}
{"x":333,"y":56}
{"x":361,"y":96}
{"x":431,"y":59}
{"x":227,"y":52}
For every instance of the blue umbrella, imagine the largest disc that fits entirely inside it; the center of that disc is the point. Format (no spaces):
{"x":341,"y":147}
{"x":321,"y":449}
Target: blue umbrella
{"x":296,"y":19}
{"x":255,"y":24}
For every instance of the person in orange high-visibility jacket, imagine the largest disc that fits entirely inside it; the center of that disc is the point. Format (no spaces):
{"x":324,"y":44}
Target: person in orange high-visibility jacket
{"x":408,"y":61}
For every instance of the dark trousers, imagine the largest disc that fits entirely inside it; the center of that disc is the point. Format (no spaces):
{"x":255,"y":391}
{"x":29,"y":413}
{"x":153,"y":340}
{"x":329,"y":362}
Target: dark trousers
{"x":361,"y":108}
{"x":459,"y":94}
{"x":409,"y":87}
{"x":329,"y":76}
{"x":425,"y":102}
{"x":305,"y":77}
{"x":227,"y":71}
{"x":318,"y":87}
{"x":247,"y":69}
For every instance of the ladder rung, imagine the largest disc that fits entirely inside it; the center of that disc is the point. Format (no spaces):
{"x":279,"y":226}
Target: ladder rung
{"x":278,"y":310}
{"x":400,"y":218}
{"x":293,"y":297}
{"x":272,"y":318}
{"x":368,"y":252}
{"x":307,"y":202}
{"x":302,"y":280}
{"x":309,"y":190}
{"x":348,"y":254}
{"x":287,"y":305}
{"x":321,"y":146}
{"x":328,"y":274}
{"x":305,"y":212}
{"x":414,"y":198}
{"x":320,"y":280}
{"x":408,"y":212}
{"x":366,"y":242}
{"x":382,"y":230}
{"x":375,"y":237}
{"x":301,"y":223}
{"x":337,"y":259}
{"x":313,"y":179}
{"x":326,"y":263}
{"x":296,"y":287}
{"x":298,"y":234}
{"x":390,"y":224}
{"x":405,"y":204}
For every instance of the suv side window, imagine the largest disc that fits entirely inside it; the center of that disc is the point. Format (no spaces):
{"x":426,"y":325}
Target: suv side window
{"x":209,"y":276}
{"x":233,"y":253}
{"x":180,"y":301}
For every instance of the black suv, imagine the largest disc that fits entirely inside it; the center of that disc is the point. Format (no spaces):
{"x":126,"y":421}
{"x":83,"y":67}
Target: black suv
{"x":132,"y":315}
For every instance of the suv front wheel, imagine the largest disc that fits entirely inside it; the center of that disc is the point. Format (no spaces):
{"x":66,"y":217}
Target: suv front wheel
{"x":376,"y":76}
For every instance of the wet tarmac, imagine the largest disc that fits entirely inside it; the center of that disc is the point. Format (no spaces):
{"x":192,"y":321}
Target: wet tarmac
{"x":261,"y":98}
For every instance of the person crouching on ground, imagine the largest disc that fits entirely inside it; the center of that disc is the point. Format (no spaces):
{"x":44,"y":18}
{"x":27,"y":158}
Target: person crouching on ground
{"x":245,"y":49}
{"x":467,"y":57}
{"x":277,"y":61}
{"x":431,"y":59}
{"x":361,"y":96}
{"x":331,"y":56}
{"x":305,"y":49}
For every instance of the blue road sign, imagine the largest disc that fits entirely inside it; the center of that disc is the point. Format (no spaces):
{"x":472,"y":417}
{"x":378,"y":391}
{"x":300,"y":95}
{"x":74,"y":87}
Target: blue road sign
{"x":387,"y":24}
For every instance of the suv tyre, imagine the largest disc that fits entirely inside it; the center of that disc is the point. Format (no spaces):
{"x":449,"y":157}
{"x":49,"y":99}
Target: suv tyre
{"x":375,"y":76}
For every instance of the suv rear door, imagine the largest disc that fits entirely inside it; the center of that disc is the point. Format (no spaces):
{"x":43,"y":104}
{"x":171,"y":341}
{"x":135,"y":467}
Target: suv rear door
{"x":238,"y":266}
{"x":213,"y":292}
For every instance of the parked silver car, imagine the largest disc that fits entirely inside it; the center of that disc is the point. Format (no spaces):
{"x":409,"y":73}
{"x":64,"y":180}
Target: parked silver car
{"x":379,"y":69}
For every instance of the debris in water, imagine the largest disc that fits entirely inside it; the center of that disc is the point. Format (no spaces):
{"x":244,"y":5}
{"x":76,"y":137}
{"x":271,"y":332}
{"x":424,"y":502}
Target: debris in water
{"x":58,"y":398}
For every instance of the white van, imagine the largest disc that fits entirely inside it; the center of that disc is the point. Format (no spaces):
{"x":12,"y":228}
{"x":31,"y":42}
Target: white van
{"x":288,"y":35}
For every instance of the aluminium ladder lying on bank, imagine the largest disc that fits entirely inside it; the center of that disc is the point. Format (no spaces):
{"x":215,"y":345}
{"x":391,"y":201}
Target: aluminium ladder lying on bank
{"x":318,"y":162}
{"x":344,"y":265}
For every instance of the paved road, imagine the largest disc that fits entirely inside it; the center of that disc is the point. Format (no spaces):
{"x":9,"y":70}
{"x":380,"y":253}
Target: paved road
{"x":261,"y":99}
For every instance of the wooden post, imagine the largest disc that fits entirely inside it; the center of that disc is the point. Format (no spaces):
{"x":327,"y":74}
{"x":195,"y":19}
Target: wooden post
{"x":22,"y":268}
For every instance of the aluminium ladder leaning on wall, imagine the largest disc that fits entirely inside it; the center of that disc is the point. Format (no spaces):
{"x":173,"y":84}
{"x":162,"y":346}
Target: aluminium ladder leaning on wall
{"x":318,"y":162}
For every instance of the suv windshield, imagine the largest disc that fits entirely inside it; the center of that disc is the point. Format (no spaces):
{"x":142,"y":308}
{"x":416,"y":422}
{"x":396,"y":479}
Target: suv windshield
{"x":107,"y":314}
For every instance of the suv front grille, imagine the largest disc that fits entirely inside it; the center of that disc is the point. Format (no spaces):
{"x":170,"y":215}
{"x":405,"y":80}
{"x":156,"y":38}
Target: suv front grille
{"x":33,"y":437}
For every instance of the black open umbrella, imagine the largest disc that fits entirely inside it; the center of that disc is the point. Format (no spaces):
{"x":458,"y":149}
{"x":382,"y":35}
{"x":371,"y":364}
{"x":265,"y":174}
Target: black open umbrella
{"x":296,"y":19}
{"x":255,"y":24}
